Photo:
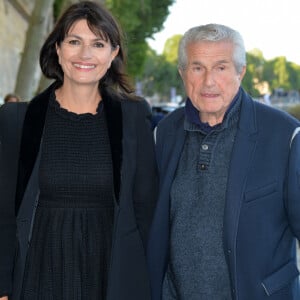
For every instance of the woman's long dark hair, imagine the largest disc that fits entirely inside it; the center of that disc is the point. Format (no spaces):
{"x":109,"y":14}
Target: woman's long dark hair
{"x":103,"y":24}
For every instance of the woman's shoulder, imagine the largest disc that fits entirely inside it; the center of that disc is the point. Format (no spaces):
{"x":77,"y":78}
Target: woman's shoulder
{"x":139,"y":104}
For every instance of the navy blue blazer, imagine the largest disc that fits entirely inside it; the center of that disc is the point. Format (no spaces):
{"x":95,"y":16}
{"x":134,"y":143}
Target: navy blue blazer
{"x":262,"y":210}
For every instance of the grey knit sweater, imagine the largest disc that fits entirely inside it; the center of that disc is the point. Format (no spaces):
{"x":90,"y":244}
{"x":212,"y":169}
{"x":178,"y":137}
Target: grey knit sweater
{"x":197,"y":268}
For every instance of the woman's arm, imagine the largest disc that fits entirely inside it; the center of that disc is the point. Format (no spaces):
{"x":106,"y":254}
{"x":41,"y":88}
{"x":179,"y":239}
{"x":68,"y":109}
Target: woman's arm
{"x":146,"y":182}
{"x":11,"y":118}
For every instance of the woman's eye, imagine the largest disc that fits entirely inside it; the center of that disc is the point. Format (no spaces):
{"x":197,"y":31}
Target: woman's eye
{"x":99,"y":45}
{"x":74,"y":42}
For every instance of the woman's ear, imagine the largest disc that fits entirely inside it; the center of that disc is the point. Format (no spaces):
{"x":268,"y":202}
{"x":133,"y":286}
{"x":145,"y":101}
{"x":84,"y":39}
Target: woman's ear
{"x":57,"y":52}
{"x":115,"y":51}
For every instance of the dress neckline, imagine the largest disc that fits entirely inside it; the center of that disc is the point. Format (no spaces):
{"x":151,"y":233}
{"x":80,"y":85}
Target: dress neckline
{"x":72,"y":115}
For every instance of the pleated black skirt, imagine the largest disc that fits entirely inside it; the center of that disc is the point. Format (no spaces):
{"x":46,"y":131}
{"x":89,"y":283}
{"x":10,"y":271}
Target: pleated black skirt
{"x":69,"y":253}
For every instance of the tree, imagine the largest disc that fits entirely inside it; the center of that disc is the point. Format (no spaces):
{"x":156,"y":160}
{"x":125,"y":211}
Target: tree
{"x":60,"y":5}
{"x":170,"y":51}
{"x":295,"y":111}
{"x":294,"y":75}
{"x":253,"y":76}
{"x":28,"y":74}
{"x":140,"y":20}
{"x":280,"y":70}
{"x":160,"y":73}
{"x":276,"y":73}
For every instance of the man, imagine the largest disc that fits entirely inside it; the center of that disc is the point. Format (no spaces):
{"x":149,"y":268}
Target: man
{"x":11,"y":98}
{"x":228,"y":212}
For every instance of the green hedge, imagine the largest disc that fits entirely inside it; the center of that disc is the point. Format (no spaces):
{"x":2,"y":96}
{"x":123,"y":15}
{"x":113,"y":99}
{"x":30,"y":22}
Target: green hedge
{"x":295,"y":111}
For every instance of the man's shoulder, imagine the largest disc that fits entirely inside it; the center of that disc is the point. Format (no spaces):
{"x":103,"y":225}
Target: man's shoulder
{"x":266,"y":117}
{"x":269,"y":114}
{"x":175,"y":118}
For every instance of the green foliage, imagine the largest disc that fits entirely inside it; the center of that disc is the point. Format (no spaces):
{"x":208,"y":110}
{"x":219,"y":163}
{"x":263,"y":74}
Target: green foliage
{"x":171,"y":48}
{"x":57,"y":6}
{"x":295,"y":111}
{"x":140,"y":19}
{"x":254,"y":71}
{"x":136,"y":58}
{"x":159,"y":76}
{"x":281,"y":74}
{"x":61,"y":5}
{"x":294,"y":74}
{"x":277,"y":73}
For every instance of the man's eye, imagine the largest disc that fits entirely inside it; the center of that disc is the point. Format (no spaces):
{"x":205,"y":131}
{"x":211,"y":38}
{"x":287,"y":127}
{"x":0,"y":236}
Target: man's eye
{"x":197,"y":69}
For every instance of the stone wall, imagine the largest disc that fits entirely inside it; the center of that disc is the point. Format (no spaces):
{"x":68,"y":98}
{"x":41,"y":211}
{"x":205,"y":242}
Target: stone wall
{"x":13,"y":27}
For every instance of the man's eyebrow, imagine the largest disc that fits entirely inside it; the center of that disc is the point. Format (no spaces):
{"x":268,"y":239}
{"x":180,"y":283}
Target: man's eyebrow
{"x":222,"y":61}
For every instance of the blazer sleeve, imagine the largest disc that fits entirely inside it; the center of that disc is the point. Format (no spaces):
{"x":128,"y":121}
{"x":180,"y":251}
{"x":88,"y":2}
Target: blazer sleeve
{"x":293,"y":186}
{"x":146,"y":178}
{"x":11,"y":119}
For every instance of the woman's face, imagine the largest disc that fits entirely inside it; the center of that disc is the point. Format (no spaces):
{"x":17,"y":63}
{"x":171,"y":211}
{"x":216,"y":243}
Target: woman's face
{"x":83,"y":56}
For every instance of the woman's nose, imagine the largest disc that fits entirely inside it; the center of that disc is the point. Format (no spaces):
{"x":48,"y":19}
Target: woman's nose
{"x":86,"y":51}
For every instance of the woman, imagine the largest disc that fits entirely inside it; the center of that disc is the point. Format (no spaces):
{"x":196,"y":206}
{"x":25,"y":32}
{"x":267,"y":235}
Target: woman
{"x":87,"y":181}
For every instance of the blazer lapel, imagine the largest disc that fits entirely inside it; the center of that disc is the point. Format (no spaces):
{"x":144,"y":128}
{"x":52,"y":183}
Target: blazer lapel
{"x":170,"y":152}
{"x":30,"y":141}
{"x":114,"y":117}
{"x":242,"y":154}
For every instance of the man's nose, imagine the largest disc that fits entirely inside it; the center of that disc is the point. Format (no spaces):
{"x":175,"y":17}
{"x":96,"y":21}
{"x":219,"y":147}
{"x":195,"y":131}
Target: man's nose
{"x":208,"y":78}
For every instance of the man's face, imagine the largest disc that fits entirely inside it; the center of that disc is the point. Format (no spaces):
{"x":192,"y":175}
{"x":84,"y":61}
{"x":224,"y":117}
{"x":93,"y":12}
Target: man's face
{"x":12,"y":99}
{"x":211,"y":80}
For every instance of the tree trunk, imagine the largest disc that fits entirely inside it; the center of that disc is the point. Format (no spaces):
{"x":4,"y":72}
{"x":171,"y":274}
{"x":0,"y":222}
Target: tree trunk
{"x":29,"y":71}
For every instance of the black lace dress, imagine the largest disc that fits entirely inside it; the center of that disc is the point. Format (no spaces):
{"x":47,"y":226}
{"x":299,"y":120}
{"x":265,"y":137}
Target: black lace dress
{"x":69,"y":252}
